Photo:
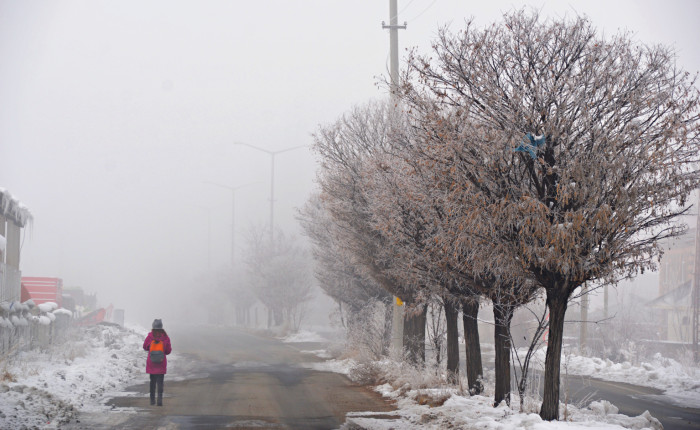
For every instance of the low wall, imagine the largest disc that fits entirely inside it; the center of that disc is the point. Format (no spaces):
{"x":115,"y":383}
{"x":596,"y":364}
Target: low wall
{"x":21,"y":331}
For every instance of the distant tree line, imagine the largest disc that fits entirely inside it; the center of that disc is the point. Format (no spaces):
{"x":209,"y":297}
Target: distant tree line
{"x":276,"y":272}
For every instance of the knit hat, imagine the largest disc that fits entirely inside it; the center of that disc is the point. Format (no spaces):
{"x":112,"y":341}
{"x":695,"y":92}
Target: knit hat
{"x":157,"y":324}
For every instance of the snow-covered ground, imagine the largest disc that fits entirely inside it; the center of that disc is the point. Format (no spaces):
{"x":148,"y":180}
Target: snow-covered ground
{"x":460,"y":411}
{"x":304,"y":336}
{"x":680,"y":383}
{"x":46,"y":389}
{"x":447,"y":407}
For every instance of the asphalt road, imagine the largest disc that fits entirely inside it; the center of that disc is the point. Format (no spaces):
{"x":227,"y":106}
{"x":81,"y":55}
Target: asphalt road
{"x":226,"y":378}
{"x":244,"y":382}
{"x":632,"y":400}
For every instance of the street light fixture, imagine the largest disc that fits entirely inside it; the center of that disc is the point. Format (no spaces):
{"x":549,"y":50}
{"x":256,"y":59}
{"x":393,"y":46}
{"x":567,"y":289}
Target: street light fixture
{"x":233,"y":215}
{"x":272,"y":177}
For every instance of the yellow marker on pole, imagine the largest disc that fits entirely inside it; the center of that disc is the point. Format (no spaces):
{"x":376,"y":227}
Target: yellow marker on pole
{"x":399,"y":302}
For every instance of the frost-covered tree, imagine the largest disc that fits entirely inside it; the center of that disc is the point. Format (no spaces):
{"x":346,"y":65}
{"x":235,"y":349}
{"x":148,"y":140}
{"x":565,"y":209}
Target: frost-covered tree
{"x":280,"y":275}
{"x":233,"y":283}
{"x":349,"y":151}
{"x":337,"y":276}
{"x":411,"y":198}
{"x":576,"y":153}
{"x":393,"y":207}
{"x":407,"y":212}
{"x":355,"y":292}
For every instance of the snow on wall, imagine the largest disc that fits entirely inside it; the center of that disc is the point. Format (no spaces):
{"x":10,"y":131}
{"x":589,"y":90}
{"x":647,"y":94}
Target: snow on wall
{"x":62,"y":311}
{"x":48,"y":306}
{"x":12,"y":209}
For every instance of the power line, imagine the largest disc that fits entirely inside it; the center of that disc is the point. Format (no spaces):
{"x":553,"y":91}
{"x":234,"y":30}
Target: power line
{"x":402,"y":9}
{"x":424,"y":11}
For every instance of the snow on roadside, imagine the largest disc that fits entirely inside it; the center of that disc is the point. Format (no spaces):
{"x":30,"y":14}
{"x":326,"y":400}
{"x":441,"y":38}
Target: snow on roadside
{"x":335,"y":366}
{"x":460,"y":411}
{"x":320,"y":353}
{"x":304,"y":336}
{"x":47,"y":389}
{"x":440,"y":408}
{"x":681,"y":383}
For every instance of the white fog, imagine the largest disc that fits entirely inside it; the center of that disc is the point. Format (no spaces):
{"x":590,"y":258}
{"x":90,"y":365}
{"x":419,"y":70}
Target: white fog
{"x":140,"y":136}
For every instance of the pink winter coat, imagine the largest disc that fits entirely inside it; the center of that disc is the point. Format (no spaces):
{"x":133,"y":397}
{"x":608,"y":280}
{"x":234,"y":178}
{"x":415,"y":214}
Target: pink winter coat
{"x":157,"y":368}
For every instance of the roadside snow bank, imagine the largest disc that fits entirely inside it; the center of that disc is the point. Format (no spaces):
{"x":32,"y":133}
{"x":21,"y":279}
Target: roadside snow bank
{"x":416,"y":412}
{"x":678,"y":381}
{"x":335,"y":366}
{"x":421,"y":406}
{"x":303,"y":336}
{"x":47,"y":389}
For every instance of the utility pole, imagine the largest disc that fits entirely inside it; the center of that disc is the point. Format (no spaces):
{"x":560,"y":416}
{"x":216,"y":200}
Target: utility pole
{"x":272,"y":155}
{"x":583,"y":334}
{"x":696,"y":286}
{"x":394,"y":27}
{"x":233,"y":215}
{"x":605,"y":302}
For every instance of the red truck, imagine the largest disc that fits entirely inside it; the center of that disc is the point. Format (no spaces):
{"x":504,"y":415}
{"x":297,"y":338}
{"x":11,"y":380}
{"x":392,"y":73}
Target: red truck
{"x":42,"y":290}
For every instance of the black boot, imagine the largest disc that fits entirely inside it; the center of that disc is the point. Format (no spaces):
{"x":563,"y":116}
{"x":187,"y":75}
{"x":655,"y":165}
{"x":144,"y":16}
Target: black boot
{"x":160,"y":400}
{"x":153,"y":399}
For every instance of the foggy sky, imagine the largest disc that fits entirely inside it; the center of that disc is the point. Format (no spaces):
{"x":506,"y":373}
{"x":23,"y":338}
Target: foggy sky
{"x":114,"y":114}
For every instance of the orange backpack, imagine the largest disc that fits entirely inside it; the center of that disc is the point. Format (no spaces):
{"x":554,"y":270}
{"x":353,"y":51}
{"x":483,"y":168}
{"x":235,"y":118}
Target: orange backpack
{"x":157,"y":353}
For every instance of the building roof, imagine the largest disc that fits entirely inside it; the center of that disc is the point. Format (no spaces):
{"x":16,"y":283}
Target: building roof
{"x":678,"y":297}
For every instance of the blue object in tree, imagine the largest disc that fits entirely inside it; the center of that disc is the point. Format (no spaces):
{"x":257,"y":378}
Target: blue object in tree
{"x":530,"y":144}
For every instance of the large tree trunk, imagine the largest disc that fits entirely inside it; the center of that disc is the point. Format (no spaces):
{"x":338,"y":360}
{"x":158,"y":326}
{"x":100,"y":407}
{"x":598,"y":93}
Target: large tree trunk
{"x":556,"y":303}
{"x":503,"y":314}
{"x":472,"y":347}
{"x":414,"y":334}
{"x":451,"y":316}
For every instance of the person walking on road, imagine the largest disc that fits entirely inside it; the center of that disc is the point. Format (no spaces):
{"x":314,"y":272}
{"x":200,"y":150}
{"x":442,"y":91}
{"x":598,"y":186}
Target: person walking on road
{"x":157,"y":344}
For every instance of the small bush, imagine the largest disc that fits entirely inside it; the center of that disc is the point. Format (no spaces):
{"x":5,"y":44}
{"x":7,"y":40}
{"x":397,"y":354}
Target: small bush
{"x":407,"y":376}
{"x":368,"y":373}
{"x":367,"y":331}
{"x":6,"y":376}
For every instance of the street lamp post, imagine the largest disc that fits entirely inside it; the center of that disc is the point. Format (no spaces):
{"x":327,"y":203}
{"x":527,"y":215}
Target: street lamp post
{"x":272,"y":178}
{"x":233,"y":215}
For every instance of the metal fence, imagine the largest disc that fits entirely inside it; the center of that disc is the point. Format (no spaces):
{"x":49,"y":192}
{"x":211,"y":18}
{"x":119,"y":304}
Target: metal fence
{"x":10,"y":283}
{"x":33,"y":335}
